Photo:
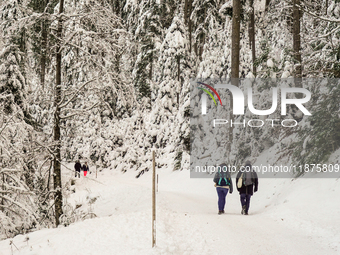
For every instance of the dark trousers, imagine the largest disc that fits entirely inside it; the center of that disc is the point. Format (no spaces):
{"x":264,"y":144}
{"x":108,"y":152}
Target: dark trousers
{"x":222,"y":193}
{"x":245,"y":201}
{"x":77,"y":173}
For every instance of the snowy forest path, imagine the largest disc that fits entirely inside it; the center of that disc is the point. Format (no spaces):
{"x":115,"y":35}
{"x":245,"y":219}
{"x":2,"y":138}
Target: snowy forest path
{"x":261,"y":231}
{"x":186,"y":222}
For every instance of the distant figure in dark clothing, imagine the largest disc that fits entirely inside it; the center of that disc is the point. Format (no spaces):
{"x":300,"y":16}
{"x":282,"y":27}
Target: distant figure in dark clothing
{"x":77,"y":167}
{"x":223,"y":184}
{"x":85,"y":168}
{"x":247,"y":182}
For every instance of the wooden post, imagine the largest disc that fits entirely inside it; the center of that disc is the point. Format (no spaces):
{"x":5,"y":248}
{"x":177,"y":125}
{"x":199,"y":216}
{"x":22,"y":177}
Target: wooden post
{"x":157,"y":182}
{"x":153,"y":200}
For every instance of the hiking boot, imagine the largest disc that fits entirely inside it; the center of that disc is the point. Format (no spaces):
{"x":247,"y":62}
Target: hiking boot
{"x":220,"y":212}
{"x":246,"y":213}
{"x":243,"y":210}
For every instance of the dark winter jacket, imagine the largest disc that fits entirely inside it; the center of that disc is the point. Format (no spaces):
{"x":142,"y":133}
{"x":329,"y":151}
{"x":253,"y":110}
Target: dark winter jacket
{"x":77,"y":166}
{"x":249,"y":189}
{"x":223,"y":178}
{"x":85,"y":168}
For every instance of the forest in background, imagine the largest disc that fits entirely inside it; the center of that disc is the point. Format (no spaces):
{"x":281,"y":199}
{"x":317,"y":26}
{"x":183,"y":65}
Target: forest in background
{"x":109,"y":81}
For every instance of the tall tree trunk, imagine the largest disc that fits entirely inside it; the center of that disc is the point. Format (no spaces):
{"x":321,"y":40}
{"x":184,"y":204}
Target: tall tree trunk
{"x":235,"y":59}
{"x":297,"y":39}
{"x":178,"y":77}
{"x":3,"y":183}
{"x":43,"y":52}
{"x":252,"y":34}
{"x":235,"y":40}
{"x":43,"y":64}
{"x":190,"y":35}
{"x":189,"y":9}
{"x":58,"y":199}
{"x":202,"y":38}
{"x":3,"y":189}
{"x":186,"y":5}
{"x":115,"y":5}
{"x":44,"y":28}
{"x":151,"y":66}
{"x":202,"y":46}
{"x":267,"y":5}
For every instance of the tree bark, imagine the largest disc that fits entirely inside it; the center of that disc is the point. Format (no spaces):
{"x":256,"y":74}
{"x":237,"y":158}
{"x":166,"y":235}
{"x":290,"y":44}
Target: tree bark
{"x":297,"y":39}
{"x":235,"y":60}
{"x":44,"y":35}
{"x":202,"y":46}
{"x":186,"y":5}
{"x":252,"y":34}
{"x":235,"y":40}
{"x":43,"y":52}
{"x":3,"y":182}
{"x":151,"y":65}
{"x":178,"y":76}
{"x":190,"y":24}
{"x":267,"y":4}
{"x":115,"y":7}
{"x":58,"y":199}
{"x":202,"y":37}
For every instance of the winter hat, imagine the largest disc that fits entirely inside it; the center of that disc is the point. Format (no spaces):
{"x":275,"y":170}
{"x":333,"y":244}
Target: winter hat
{"x":248,"y":163}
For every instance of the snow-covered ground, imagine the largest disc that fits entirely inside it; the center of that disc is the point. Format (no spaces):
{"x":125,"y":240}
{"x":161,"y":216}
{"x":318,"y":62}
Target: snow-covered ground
{"x":286,"y":217}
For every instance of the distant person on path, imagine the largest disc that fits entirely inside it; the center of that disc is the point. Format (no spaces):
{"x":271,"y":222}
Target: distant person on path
{"x":85,"y":168}
{"x":247,"y":183}
{"x":77,"y":168}
{"x":223,"y":184}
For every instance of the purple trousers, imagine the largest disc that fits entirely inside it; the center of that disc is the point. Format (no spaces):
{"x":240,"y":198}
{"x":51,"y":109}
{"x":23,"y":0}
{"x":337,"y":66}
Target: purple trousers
{"x":222,"y":193}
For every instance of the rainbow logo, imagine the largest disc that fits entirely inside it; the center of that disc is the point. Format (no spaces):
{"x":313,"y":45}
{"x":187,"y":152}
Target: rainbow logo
{"x":207,"y":91}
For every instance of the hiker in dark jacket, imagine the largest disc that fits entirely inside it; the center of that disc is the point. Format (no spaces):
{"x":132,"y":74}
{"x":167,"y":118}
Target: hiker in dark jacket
{"x":247,"y":185}
{"x":77,"y":168}
{"x":223,"y":184}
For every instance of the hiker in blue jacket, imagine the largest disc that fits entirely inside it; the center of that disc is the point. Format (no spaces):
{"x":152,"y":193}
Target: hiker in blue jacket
{"x":223,"y":184}
{"x":246,"y":186}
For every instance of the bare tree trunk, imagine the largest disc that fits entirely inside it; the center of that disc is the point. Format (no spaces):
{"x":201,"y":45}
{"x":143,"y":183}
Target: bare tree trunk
{"x":58,"y":203}
{"x":202,"y":46}
{"x":43,"y":53}
{"x":252,"y":34}
{"x":3,"y":189}
{"x":44,"y":34}
{"x":186,"y":5}
{"x":115,"y":7}
{"x":190,"y":35}
{"x":235,"y":59}
{"x":235,"y":40}
{"x":190,"y":24}
{"x":43,"y":67}
{"x":297,"y":39}
{"x":202,"y":41}
{"x":151,"y":66}
{"x":267,"y":4}
{"x":3,"y":182}
{"x":178,"y":76}
{"x":326,"y":6}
